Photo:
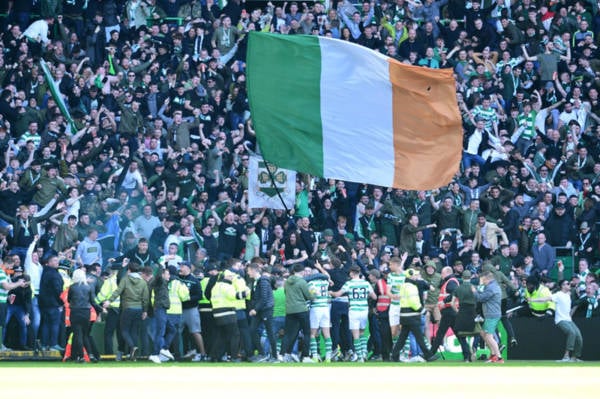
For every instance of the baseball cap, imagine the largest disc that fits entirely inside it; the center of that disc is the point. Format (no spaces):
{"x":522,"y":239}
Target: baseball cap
{"x":211,"y":266}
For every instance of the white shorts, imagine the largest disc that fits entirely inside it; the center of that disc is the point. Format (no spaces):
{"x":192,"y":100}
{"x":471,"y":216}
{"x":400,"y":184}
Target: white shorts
{"x":357,"y":320}
{"x":320,"y":317}
{"x":394,"y":315}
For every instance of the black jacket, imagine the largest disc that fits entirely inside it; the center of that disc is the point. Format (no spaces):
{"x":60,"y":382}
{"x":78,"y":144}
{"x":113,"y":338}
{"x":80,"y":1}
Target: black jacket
{"x":511,"y":225}
{"x":81,"y":296}
{"x":195,"y":289}
{"x":20,"y":296}
{"x":51,"y":286}
{"x":559,"y":230}
{"x":160,"y":288}
{"x":262,"y":295}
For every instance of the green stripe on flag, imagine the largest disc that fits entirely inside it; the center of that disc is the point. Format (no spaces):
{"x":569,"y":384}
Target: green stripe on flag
{"x":57,"y":96}
{"x":284,"y":76}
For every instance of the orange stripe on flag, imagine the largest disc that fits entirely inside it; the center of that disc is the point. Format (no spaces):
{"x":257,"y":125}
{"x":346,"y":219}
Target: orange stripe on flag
{"x":427,"y":126}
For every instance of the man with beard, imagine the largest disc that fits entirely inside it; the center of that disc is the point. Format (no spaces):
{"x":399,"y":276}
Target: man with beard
{"x":140,"y":255}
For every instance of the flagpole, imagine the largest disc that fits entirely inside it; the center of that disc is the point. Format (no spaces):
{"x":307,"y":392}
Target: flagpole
{"x":287,"y":211}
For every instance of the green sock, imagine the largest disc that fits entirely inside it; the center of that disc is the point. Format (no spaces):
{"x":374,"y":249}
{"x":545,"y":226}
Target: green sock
{"x":313,"y":346}
{"x":406,"y":349}
{"x":363,"y":347}
{"x":328,"y":348}
{"x":357,"y":346}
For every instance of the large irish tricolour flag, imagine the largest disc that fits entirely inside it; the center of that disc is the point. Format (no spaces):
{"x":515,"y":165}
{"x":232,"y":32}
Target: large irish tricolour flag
{"x":339,"y":110}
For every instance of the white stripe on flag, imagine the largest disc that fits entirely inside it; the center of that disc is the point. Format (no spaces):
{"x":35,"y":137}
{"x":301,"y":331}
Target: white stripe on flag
{"x":356,"y":83}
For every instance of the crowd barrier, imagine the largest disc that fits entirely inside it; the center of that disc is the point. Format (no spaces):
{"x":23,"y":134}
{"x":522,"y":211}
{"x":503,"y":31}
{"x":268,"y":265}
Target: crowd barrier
{"x":540,"y":339}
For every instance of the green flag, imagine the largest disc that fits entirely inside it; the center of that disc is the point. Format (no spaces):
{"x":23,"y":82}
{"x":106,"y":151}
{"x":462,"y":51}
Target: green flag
{"x":57,"y":96}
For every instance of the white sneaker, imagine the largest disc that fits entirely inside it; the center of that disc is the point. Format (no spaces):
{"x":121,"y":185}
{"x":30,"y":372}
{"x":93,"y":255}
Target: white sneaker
{"x":166,"y":353}
{"x":295,"y":358}
{"x":353,"y":357}
{"x":190,"y":353}
{"x":163,"y":358}
{"x":416,"y":359}
{"x":154,"y":359}
{"x":316,"y":358}
{"x":307,"y":360}
{"x":197,"y":358}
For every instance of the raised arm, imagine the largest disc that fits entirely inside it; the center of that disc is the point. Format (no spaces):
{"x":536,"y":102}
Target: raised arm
{"x":527,"y":57}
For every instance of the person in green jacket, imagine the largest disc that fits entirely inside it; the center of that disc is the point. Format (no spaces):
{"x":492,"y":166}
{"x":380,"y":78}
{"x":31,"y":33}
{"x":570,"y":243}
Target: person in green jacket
{"x":408,"y":235}
{"x":133,"y":291}
{"x":296,"y":315}
{"x":49,"y":186}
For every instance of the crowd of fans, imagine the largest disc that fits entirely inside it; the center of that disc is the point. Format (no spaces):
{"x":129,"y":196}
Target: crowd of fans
{"x":151,"y":172}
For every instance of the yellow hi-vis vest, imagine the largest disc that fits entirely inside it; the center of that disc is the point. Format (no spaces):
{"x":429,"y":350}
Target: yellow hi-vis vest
{"x":240,"y":286}
{"x":204,"y":301}
{"x":107,"y":289}
{"x":178,"y":293}
{"x":410,"y":302}
{"x":540,"y":307}
{"x":223,"y":297}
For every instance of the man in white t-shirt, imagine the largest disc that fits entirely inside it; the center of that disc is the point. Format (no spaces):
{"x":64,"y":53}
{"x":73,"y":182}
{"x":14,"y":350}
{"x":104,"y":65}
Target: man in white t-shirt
{"x":562,"y":318}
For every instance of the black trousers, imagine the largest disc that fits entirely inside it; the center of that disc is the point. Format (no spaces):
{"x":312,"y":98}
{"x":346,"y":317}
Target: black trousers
{"x":245,"y":337}
{"x":207,"y":323}
{"x":112,"y":326}
{"x":227,"y":338}
{"x":265,"y":317}
{"x":448,"y":320}
{"x":410,"y":324}
{"x":340,"y":330}
{"x":80,"y":324}
{"x":510,"y":331}
{"x":294,"y":323}
{"x":386,"y":335}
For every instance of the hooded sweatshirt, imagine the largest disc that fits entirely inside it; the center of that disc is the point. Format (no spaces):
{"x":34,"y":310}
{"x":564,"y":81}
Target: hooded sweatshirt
{"x":133,"y":291}
{"x":296,"y":295}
